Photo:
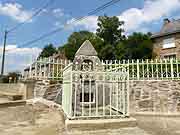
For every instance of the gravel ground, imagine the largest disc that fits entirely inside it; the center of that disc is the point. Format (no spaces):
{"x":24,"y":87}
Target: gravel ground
{"x":23,"y":120}
{"x":159,"y":125}
{"x":41,"y":120}
{"x":3,"y":99}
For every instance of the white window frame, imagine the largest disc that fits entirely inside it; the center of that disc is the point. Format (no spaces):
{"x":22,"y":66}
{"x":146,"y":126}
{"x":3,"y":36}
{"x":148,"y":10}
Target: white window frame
{"x":170,"y":55}
{"x":93,"y":102}
{"x":169,"y":43}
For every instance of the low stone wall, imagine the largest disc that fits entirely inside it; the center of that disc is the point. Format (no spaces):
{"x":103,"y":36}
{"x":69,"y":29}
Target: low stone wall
{"x":145,"y":96}
{"x":23,"y":88}
{"x":155,"y":96}
{"x":11,"y":87}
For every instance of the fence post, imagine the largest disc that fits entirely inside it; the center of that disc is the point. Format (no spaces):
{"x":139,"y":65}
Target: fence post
{"x":35,"y":68}
{"x":53,"y":68}
{"x":166,"y":63}
{"x":138,"y":74}
{"x":30,"y":71}
{"x":152,"y":69}
{"x":172,"y":70}
{"x":40,"y":68}
{"x":45,"y":68}
{"x":132,"y":63}
{"x":143,"y":73}
{"x":49,"y":68}
{"x":157,"y":75}
{"x":161,"y":70}
{"x":177,"y":68}
{"x":147,"y":68}
{"x":127,"y":83}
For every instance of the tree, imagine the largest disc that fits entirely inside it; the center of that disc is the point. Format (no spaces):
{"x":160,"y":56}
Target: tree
{"x":110,"y":30}
{"x":48,"y":50}
{"x":120,"y":51}
{"x":136,"y":46}
{"x":109,"y":41}
{"x":11,"y":77}
{"x":14,"y":76}
{"x":76,"y":39}
{"x":107,"y":53}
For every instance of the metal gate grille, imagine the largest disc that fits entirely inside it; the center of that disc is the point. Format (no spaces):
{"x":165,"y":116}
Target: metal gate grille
{"x":98,"y":92}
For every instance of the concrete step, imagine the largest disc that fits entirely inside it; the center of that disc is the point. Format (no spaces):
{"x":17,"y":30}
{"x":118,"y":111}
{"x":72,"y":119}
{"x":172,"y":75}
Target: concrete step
{"x":98,"y":124}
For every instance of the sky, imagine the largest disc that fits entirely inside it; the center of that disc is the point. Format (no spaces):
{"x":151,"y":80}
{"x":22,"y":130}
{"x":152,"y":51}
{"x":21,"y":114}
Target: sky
{"x":139,"y":16}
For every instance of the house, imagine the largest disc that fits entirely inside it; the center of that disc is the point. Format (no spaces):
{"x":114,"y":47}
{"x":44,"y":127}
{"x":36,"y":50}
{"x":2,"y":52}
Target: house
{"x":167,"y":41}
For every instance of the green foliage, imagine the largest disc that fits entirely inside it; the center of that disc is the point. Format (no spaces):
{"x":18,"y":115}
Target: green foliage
{"x":14,"y":76}
{"x":136,"y":46}
{"x":109,"y":41}
{"x":11,"y":77}
{"x":75,"y":41}
{"x":107,"y":53}
{"x":48,"y":50}
{"x":120,"y":50}
{"x":109,"y":29}
{"x":4,"y":79}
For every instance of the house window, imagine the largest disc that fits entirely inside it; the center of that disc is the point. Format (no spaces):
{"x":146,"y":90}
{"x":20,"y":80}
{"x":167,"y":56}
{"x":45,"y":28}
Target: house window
{"x":169,"y":43}
{"x":88,"y":97}
{"x":172,"y":56}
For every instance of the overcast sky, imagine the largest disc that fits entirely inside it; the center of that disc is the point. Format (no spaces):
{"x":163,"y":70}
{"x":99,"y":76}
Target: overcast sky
{"x":139,"y":16}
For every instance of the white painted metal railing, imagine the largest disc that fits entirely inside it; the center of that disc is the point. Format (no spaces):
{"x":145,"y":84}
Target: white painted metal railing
{"x":162,"y":69}
{"x":158,"y":69}
{"x":46,"y":69}
{"x":98,"y":92}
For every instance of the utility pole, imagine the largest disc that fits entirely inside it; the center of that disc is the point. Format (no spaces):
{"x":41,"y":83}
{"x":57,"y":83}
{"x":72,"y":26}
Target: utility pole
{"x":3,"y":54}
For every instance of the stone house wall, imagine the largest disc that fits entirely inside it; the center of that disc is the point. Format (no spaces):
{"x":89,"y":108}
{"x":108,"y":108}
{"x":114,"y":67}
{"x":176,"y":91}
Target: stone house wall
{"x":160,"y":52}
{"x":155,"y":96}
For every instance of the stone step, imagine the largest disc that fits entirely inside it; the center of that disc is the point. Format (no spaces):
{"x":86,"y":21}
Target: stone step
{"x":100,"y":124}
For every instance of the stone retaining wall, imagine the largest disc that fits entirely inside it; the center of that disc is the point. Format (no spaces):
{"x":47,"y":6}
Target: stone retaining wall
{"x":52,"y":92}
{"x":23,"y":88}
{"x":145,"y":96}
{"x":11,"y":87}
{"x":155,"y":96}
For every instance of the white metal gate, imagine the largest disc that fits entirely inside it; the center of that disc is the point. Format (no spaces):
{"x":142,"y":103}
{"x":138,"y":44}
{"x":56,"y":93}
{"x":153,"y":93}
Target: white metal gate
{"x":100,"y":91}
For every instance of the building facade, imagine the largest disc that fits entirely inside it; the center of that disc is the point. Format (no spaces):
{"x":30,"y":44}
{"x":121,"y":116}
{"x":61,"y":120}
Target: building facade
{"x":167,"y":41}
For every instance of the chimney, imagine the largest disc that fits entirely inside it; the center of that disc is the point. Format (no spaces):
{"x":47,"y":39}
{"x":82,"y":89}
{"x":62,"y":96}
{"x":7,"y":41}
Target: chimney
{"x":166,"y":21}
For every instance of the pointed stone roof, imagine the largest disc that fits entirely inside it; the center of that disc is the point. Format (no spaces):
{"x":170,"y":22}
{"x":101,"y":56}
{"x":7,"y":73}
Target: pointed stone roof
{"x":86,"y":49}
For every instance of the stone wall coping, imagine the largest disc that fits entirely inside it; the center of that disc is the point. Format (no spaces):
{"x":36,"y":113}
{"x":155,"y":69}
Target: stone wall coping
{"x":167,"y":80}
{"x":158,"y":114}
{"x":12,"y":103}
{"x":67,"y":66}
{"x":28,"y":81}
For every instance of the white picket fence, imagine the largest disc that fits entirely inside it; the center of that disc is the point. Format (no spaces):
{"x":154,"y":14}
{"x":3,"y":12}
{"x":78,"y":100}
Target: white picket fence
{"x":162,"y":69}
{"x":158,"y":69}
{"x":46,"y":69}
